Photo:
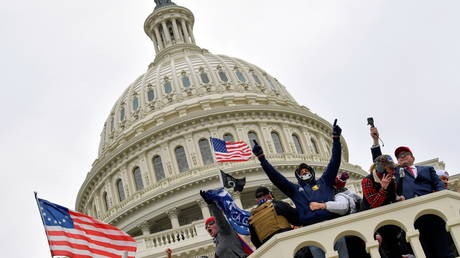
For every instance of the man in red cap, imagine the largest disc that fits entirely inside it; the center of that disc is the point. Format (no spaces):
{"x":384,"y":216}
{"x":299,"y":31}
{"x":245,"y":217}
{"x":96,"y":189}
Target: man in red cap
{"x":228,"y":243}
{"x":415,"y":181}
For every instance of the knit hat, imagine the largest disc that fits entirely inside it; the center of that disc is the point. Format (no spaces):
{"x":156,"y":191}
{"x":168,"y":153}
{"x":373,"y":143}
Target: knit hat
{"x":209,"y":220}
{"x":341,"y":180}
{"x":441,"y":172}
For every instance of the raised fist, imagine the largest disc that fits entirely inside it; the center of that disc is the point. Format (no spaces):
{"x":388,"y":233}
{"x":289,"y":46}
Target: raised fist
{"x":257,"y":150}
{"x":336,"y":130}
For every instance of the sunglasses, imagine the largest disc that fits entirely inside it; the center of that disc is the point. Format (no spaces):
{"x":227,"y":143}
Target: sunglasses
{"x":210,"y":224}
{"x":404,"y":154}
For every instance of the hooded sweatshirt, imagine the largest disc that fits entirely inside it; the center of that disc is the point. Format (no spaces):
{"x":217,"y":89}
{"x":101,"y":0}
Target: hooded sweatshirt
{"x":303,"y":192}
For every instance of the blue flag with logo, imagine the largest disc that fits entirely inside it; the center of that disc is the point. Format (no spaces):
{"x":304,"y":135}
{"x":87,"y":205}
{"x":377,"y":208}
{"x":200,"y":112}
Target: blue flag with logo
{"x":238,"y":218}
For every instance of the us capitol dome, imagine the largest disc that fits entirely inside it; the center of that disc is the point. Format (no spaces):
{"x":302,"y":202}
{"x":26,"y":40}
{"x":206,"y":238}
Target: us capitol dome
{"x":155,"y":155}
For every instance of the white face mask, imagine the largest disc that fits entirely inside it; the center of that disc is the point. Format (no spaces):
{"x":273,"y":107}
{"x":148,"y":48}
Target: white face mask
{"x":306,"y":177}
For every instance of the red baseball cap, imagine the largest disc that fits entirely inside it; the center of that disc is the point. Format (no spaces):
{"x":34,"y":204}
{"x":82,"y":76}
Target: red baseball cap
{"x":401,"y":149}
{"x":209,"y":220}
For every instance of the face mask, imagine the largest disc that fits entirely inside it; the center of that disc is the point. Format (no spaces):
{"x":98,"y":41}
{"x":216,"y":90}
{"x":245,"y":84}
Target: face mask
{"x":306,"y":177}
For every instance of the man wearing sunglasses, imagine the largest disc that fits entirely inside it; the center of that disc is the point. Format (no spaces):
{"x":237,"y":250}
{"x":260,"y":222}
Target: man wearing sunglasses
{"x":270,"y":217}
{"x":416,"y":181}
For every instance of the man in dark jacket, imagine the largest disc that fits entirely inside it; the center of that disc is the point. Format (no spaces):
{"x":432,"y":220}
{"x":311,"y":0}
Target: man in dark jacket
{"x":416,"y":181}
{"x":308,"y":188}
{"x":228,"y":243}
{"x":270,"y":217}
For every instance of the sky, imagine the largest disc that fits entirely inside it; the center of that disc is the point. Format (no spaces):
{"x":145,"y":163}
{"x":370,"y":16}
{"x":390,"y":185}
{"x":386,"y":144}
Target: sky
{"x":64,"y":64}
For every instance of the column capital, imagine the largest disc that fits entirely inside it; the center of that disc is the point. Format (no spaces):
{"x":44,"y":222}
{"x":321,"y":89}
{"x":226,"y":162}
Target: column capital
{"x":201,"y":203}
{"x":172,"y":213}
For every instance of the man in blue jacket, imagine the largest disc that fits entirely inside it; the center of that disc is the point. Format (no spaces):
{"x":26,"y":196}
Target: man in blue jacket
{"x":308,"y":188}
{"x":415,"y":181}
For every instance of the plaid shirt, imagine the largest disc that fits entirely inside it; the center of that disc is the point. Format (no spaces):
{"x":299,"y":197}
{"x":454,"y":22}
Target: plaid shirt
{"x":374,"y":197}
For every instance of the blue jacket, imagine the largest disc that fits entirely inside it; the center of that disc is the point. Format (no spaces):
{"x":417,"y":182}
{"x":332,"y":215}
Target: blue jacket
{"x":302,"y":194}
{"x":426,"y":182}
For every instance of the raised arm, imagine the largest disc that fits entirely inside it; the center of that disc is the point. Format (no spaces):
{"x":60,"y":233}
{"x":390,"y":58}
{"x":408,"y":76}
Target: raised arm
{"x":333,"y":167}
{"x":216,"y":212}
{"x":285,"y":186}
{"x":375,"y":149}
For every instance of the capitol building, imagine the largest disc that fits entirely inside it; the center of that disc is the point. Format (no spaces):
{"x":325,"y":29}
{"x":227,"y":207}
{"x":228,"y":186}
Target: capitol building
{"x":155,"y":155}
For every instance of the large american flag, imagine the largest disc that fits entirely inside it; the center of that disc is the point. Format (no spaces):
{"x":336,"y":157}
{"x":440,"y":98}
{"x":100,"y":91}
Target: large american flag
{"x":77,"y":235}
{"x":230,"y":151}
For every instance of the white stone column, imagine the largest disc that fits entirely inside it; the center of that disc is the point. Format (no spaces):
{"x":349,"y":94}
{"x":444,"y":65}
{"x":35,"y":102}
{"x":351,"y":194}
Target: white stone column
{"x":184,"y":29}
{"x":413,"y":238}
{"x":177,"y":35}
{"x":166,"y":33}
{"x":204,"y":209}
{"x":159,"y":39}
{"x":172,"y":214}
{"x":191,"y":32}
{"x":373,"y":249}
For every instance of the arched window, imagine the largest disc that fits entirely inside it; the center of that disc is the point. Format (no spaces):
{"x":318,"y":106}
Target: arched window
{"x":158,"y":168}
{"x":121,"y":190}
{"x":256,"y":78}
{"x":138,"y":178}
{"x":277,"y":142}
{"x":240,"y":76}
{"x":297,"y":144}
{"x":122,"y":113}
{"x":135,"y":103}
{"x":185,"y":80}
{"x":181,"y":158}
{"x":150,"y":95}
{"x":315,"y":146}
{"x":228,"y":137}
{"x":223,"y":76}
{"x":167,"y":86}
{"x":205,"y":149}
{"x":204,"y":76}
{"x":105,"y":200}
{"x":253,"y":136}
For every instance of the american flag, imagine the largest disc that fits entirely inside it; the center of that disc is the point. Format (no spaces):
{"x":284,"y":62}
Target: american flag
{"x":77,"y":235}
{"x":230,"y":151}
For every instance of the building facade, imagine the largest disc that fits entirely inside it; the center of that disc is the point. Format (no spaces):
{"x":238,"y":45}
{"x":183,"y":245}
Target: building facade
{"x":155,"y":155}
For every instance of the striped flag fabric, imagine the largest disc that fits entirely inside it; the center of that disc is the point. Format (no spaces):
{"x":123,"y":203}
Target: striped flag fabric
{"x":230,"y":151}
{"x":77,"y":235}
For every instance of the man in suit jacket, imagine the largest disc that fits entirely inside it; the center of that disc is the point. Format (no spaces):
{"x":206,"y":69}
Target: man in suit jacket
{"x":416,"y":181}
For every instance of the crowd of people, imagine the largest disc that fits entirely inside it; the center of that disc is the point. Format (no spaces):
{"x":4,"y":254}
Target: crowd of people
{"x":326,"y":197}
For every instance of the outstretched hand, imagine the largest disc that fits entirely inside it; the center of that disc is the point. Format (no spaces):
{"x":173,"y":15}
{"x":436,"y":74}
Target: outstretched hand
{"x":257,"y":150}
{"x":336,"y":130}
{"x":205,"y":197}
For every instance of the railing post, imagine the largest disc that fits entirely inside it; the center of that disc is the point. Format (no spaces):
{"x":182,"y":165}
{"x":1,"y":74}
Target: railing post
{"x":413,"y":238}
{"x":454,"y":229}
{"x":373,"y":249}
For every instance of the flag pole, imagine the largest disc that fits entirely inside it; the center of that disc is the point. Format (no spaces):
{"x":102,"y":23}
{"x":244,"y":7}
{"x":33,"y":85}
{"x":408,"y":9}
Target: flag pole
{"x":43,"y":220}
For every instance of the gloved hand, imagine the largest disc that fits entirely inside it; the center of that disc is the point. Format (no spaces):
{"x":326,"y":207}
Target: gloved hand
{"x":205,"y":197}
{"x":257,"y":150}
{"x":336,"y":130}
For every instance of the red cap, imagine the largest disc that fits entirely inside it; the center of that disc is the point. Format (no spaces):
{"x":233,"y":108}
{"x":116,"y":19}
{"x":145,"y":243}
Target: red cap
{"x":401,"y":149}
{"x":341,"y":180}
{"x":209,"y":220}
